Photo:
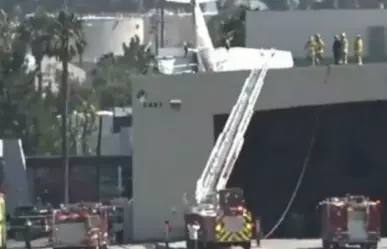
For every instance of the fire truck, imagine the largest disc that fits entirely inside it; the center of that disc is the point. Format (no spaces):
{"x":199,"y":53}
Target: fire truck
{"x":220,"y":212}
{"x":80,"y":226}
{"x":229,"y":224}
{"x":350,"y":220}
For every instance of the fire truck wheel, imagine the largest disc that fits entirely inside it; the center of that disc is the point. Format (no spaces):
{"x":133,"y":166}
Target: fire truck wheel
{"x":369,"y":246}
{"x":329,"y":245}
{"x":246,"y":245}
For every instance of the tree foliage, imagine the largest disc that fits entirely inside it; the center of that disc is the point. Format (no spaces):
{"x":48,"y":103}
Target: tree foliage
{"x":111,"y":78}
{"x":31,"y":107}
{"x":229,"y":24}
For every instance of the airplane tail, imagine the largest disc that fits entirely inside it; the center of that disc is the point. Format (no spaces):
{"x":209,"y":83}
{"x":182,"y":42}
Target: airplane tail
{"x":202,"y":39}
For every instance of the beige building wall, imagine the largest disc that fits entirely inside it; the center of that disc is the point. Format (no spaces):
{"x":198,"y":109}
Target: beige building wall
{"x":170,"y":146}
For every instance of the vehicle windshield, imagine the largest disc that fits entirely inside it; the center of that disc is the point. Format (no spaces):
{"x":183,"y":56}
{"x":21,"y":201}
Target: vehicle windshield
{"x":25,"y":210}
{"x":231,"y":199}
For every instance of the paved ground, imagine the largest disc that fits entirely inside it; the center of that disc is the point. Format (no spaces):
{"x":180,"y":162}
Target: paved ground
{"x":39,"y":243}
{"x":266,"y":244}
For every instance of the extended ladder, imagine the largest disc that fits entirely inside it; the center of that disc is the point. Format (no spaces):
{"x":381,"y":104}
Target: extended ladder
{"x":230,"y":142}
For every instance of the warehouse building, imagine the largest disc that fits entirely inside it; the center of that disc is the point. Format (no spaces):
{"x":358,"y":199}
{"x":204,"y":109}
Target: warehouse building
{"x":178,"y":117}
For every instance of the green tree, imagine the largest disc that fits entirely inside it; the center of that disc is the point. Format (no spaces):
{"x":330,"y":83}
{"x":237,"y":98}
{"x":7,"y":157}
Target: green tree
{"x":35,"y":31}
{"x":230,"y":23}
{"x":15,"y":82}
{"x":111,"y":78}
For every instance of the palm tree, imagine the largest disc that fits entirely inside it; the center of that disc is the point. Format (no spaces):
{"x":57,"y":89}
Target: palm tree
{"x":37,"y":32}
{"x":68,"y":41}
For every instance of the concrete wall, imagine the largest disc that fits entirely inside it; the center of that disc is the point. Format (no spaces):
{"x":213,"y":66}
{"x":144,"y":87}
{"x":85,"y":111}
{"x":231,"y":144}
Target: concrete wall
{"x":171,"y":146}
{"x":290,"y":29}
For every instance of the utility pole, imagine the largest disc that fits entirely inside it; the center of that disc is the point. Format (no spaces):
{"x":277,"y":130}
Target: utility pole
{"x":155,"y":32}
{"x":193,"y":3}
{"x":162,"y":22}
{"x":65,"y":113}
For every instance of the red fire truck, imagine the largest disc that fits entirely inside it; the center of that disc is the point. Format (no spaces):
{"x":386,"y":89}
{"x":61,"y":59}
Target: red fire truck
{"x":80,"y":226}
{"x":224,"y":222}
{"x":350,"y":220}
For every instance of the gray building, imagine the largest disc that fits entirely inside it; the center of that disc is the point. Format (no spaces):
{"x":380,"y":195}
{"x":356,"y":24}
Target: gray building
{"x":174,"y":127}
{"x":289,"y":30}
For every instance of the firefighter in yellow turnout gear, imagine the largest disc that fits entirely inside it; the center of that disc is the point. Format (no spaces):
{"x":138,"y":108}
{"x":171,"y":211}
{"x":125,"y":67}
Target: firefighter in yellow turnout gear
{"x":358,"y":50}
{"x":344,"y":48}
{"x":319,"y":48}
{"x":243,"y":233}
{"x":310,"y":47}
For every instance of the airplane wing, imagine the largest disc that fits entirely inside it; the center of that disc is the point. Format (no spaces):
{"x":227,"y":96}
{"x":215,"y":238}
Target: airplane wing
{"x":240,"y":58}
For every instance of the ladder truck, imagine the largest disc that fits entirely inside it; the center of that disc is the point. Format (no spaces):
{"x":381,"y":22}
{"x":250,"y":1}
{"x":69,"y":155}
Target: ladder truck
{"x":220,"y":212}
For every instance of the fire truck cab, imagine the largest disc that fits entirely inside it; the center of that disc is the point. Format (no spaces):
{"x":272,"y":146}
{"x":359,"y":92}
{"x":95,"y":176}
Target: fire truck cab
{"x":350,"y":220}
{"x":224,"y":221}
{"x":80,"y":226}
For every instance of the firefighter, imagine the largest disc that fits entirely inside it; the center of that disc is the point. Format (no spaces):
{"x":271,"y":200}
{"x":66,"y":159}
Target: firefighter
{"x":227,"y":43}
{"x":27,"y":233}
{"x":358,"y":49}
{"x":193,"y":233}
{"x":167,"y":233}
{"x":258,"y":231}
{"x":336,"y":49}
{"x":185,"y":46}
{"x":344,"y":48}
{"x":319,"y":48}
{"x":311,"y":50}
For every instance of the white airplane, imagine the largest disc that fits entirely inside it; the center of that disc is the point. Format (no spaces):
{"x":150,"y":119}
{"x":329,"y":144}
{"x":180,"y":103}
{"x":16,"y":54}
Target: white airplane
{"x":213,"y":59}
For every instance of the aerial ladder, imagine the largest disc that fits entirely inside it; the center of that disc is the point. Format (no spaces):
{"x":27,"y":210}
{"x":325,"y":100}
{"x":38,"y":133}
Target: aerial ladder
{"x":228,"y":146}
{"x":215,"y":209}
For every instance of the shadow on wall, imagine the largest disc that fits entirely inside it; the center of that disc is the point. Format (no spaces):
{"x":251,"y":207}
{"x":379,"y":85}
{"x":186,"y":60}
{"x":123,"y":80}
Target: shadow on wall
{"x":349,"y":156}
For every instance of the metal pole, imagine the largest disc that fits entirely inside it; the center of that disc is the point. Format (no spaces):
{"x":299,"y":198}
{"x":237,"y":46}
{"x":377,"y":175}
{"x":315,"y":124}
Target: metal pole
{"x":120,"y":184}
{"x":162,"y":22}
{"x":156,"y":31}
{"x":98,"y":153}
{"x":194,"y":23}
{"x":65,"y":112}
